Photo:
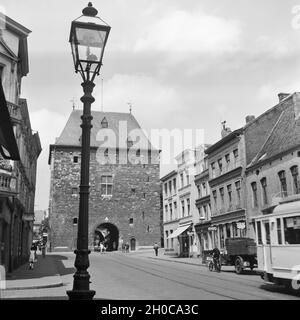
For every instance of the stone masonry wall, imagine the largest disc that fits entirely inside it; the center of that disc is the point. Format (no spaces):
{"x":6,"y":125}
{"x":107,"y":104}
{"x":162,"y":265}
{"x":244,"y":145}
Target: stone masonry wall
{"x":142,"y":204}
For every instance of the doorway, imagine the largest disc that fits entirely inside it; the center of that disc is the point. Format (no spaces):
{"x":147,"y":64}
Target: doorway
{"x":132,"y":244}
{"x":108,"y":234}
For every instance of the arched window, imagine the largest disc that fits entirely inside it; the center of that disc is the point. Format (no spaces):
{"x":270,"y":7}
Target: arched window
{"x":129,"y":142}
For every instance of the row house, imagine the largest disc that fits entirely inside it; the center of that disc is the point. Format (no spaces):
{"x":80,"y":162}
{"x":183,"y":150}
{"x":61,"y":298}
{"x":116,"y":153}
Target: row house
{"x":17,"y":178}
{"x":179,"y":204}
{"x":228,"y":160}
{"x":226,"y":163}
{"x":272,"y":177}
{"x":202,"y":202}
{"x":170,"y":211}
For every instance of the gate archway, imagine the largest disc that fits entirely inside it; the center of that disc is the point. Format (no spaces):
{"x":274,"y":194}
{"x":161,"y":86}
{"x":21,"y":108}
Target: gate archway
{"x":108,"y":234}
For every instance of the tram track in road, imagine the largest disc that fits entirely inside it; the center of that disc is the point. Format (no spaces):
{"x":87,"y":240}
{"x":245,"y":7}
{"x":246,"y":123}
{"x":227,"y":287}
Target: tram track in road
{"x":154,"y":273}
{"x":194,"y":282}
{"x":238,"y":279}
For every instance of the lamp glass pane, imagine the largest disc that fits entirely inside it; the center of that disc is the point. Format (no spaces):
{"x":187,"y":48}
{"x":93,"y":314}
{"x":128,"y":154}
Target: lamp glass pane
{"x":73,"y":47}
{"x":90,"y":44}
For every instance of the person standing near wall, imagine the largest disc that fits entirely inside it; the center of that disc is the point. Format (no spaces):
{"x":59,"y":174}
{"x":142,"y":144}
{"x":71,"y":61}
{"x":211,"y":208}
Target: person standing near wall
{"x":155,"y":247}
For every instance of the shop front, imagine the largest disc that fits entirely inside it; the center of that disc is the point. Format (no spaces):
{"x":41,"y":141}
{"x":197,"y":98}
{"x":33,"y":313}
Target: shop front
{"x":206,"y":236}
{"x":231,"y":225}
{"x":184,"y":236}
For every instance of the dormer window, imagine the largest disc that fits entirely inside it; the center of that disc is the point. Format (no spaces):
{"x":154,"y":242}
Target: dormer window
{"x":106,"y":153}
{"x":104,"y":123}
{"x":129,"y":142}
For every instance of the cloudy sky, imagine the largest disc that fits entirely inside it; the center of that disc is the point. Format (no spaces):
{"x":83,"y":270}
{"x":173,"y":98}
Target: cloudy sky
{"x":182,"y":64}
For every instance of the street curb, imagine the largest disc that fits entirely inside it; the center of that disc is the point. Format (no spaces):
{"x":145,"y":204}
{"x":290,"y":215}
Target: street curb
{"x":46,"y":286}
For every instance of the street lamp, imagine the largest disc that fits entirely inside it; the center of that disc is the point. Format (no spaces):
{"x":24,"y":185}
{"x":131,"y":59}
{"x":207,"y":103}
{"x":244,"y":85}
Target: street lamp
{"x":88,"y":38}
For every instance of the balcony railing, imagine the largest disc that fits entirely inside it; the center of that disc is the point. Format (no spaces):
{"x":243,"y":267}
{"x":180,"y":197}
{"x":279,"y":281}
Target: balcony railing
{"x":5,"y":165}
{"x":7,"y":183}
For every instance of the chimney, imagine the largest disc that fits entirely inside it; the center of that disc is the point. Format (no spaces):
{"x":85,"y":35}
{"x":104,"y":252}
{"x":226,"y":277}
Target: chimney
{"x":249,"y":118}
{"x":296,"y":102}
{"x":225,"y":130}
{"x":282,"y":96}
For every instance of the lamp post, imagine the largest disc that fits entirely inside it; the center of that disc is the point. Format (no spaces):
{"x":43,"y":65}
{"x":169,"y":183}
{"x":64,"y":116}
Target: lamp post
{"x":88,"y":38}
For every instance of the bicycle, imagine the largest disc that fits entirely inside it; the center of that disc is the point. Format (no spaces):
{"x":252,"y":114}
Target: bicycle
{"x":213,"y":264}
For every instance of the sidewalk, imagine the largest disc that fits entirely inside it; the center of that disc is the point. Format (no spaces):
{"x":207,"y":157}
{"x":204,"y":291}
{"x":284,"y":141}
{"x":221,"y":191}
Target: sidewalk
{"x":44,"y":275}
{"x":161,"y":256}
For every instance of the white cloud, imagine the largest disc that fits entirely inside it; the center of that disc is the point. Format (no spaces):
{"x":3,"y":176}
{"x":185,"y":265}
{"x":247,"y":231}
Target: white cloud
{"x":266,"y":92}
{"x":192,"y":32}
{"x":269,"y":92}
{"x":49,"y":125}
{"x":276,"y":48}
{"x":150,"y":99}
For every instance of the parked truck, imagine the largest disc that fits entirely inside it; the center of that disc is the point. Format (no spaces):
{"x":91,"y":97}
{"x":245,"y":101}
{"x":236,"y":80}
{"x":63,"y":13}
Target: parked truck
{"x":240,"y":253}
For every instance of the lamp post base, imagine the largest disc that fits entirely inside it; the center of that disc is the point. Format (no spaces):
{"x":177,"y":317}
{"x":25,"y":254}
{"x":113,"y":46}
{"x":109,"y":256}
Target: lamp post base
{"x":81,"y":294}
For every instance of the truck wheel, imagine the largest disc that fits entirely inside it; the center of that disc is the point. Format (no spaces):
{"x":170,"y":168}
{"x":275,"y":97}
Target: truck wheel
{"x":239,"y":265}
{"x":293,"y":286}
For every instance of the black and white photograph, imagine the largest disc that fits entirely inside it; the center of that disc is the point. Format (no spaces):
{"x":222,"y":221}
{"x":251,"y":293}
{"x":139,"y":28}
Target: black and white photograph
{"x":149,"y":151}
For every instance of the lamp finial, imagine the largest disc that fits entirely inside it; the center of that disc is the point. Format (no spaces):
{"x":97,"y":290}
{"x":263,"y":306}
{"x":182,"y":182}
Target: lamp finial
{"x":90,"y":11}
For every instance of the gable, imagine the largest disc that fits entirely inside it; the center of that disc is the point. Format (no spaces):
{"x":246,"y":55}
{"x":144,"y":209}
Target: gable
{"x":4,"y":49}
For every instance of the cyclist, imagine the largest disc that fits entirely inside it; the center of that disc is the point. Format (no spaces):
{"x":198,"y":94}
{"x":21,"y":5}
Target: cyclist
{"x":216,"y":257}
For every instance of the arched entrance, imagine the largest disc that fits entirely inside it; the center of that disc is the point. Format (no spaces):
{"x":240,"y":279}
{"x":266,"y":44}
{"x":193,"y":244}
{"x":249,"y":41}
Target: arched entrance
{"x":108,"y":234}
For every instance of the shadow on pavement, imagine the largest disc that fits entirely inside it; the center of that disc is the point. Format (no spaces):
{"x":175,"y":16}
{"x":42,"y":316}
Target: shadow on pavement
{"x":44,"y":267}
{"x":245,"y":272}
{"x":279,"y":289}
{"x":39,"y":298}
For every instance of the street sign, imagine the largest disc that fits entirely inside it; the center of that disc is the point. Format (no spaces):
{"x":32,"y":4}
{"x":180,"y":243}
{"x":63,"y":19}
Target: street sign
{"x":212,"y":228}
{"x":241,"y":225}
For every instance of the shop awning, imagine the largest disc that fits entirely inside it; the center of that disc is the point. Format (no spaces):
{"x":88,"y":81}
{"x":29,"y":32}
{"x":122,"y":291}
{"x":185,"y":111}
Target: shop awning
{"x":178,"y":231}
{"x":8,"y":143}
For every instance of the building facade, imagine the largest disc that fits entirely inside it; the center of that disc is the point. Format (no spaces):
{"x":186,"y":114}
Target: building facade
{"x":203,"y":227}
{"x":124,"y":201}
{"x":18,"y":178}
{"x":272,"y":177}
{"x":228,"y":160}
{"x":171,"y":215}
{"x":182,"y":219}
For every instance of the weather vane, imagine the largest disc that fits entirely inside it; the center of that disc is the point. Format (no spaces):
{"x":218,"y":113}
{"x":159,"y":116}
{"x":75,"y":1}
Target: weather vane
{"x":73,"y":101}
{"x":130,"y":106}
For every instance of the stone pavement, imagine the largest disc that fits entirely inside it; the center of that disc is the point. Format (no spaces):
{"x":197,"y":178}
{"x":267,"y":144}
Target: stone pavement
{"x":171,"y":258}
{"x":44,"y":275}
{"x":162,"y":256}
{"x":47,"y":271}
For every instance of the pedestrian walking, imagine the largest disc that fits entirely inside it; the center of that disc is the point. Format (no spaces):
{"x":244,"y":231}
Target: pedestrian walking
{"x":155,"y":247}
{"x":101,"y":247}
{"x":127,"y":247}
{"x":32,"y":257}
{"x":35,"y":247}
{"x":43,"y":251}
